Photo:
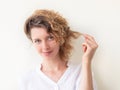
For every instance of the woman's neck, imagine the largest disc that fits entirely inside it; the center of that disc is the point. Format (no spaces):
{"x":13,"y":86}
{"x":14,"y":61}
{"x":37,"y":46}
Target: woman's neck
{"x":53,"y":64}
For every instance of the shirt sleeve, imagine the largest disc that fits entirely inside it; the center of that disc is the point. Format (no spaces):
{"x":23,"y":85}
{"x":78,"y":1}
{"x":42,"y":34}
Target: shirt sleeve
{"x":21,"y":83}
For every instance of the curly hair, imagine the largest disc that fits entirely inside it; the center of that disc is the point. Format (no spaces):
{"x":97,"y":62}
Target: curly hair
{"x":55,"y":24}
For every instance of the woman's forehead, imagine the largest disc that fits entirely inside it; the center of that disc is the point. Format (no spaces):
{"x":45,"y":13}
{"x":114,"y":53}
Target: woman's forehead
{"x":38,"y":31}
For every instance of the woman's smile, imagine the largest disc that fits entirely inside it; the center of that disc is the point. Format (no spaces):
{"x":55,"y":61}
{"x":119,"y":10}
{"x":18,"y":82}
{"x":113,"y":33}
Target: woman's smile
{"x":47,"y":53}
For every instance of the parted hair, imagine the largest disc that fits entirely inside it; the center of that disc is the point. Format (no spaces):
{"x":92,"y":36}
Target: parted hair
{"x":55,"y":24}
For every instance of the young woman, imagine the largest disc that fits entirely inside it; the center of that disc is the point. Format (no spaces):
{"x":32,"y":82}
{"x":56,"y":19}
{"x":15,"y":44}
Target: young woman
{"x":51,"y":36}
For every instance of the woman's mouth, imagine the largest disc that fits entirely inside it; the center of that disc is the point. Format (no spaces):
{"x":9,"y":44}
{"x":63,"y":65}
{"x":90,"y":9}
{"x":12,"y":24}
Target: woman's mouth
{"x":47,"y":53}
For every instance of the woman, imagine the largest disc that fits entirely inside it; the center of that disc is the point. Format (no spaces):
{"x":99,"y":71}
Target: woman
{"x":51,"y":36}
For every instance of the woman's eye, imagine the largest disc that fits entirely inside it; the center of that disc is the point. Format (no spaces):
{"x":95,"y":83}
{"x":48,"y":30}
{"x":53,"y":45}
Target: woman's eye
{"x":50,"y":38}
{"x":37,"y":41}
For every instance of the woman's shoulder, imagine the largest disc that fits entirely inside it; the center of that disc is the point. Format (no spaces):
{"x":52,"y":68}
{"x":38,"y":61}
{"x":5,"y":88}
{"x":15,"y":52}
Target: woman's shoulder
{"x":24,"y":78}
{"x":74,"y":66}
{"x":27,"y":76}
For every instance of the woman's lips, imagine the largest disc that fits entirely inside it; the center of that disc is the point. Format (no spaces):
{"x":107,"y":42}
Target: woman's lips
{"x":47,"y":53}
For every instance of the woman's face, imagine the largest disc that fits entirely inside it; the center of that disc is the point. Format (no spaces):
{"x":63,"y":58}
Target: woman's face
{"x":45,"y":43}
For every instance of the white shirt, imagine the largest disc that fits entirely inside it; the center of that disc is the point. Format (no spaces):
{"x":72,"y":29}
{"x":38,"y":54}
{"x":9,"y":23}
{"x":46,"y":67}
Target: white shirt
{"x":37,"y":80}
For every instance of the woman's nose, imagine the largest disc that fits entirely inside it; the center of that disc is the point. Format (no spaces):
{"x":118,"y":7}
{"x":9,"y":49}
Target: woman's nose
{"x":45,"y":45}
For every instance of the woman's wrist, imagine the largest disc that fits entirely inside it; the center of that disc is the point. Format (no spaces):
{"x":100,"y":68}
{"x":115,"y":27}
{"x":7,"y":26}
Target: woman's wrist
{"x":86,"y":59}
{"x":86,"y":62}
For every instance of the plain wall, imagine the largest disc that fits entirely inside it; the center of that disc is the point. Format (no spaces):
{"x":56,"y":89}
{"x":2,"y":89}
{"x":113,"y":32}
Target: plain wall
{"x":99,"y":18}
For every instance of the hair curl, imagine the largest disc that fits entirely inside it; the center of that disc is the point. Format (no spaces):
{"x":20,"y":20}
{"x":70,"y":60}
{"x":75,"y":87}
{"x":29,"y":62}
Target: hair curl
{"x":55,"y":24}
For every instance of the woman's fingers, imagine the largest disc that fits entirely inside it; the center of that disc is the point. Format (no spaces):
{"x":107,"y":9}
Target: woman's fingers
{"x":84,"y":47}
{"x":90,"y":40}
{"x":89,"y":37}
{"x":89,"y":47}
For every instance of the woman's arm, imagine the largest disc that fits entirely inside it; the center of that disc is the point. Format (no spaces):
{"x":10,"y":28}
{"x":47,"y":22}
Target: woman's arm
{"x":89,"y":48}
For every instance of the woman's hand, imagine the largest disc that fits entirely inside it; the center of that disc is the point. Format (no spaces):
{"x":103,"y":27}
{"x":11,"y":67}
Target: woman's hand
{"x":89,"y":47}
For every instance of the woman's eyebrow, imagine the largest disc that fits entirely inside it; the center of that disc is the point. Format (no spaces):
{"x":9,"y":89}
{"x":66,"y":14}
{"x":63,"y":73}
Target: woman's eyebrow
{"x":38,"y":38}
{"x":35,"y":39}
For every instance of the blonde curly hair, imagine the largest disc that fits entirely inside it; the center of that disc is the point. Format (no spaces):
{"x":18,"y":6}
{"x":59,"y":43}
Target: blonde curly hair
{"x":55,"y":24}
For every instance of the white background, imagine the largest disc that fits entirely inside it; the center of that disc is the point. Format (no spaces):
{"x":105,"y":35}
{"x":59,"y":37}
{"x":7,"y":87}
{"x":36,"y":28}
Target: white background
{"x":99,"y":18}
